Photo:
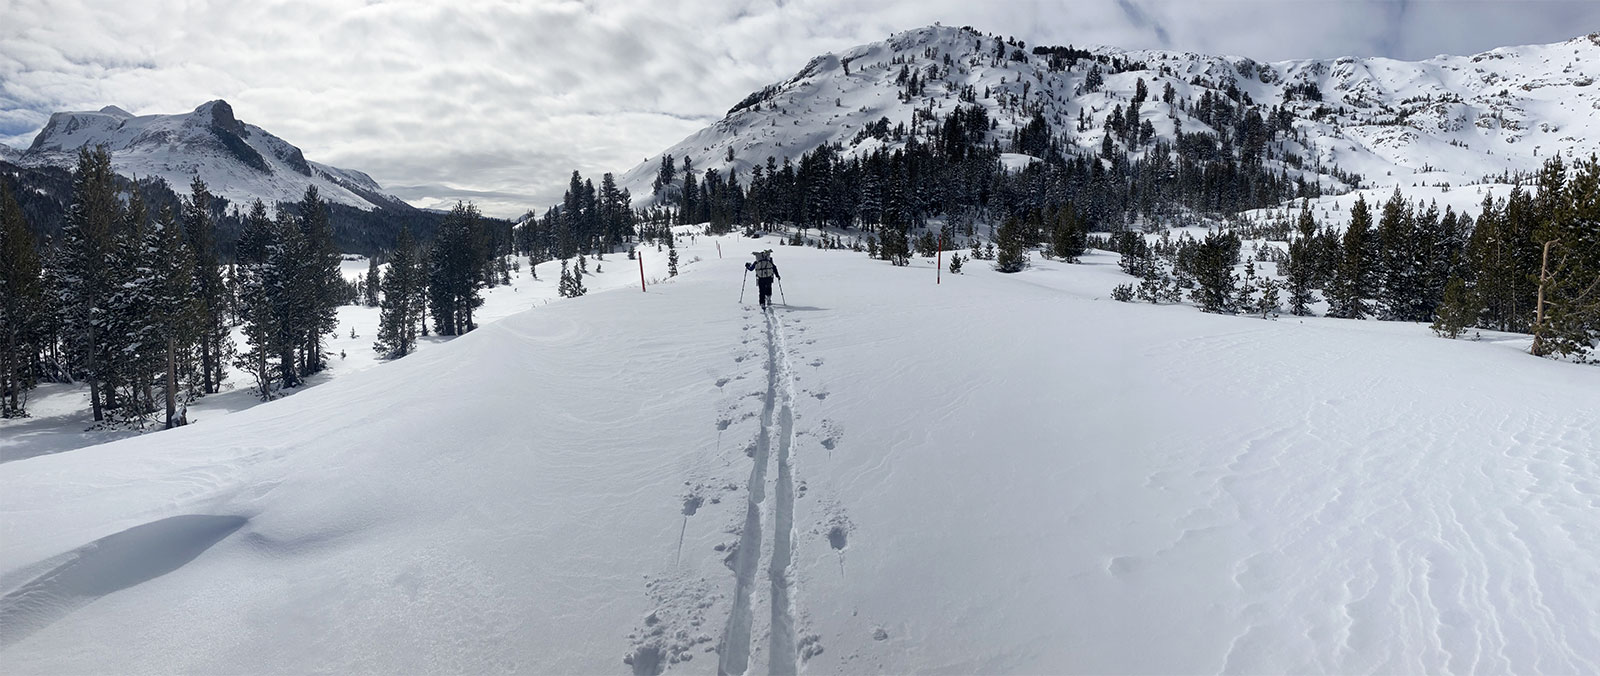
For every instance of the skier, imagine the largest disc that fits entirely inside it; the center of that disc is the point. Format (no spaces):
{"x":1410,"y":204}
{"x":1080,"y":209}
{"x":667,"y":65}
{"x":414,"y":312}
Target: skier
{"x":765,"y":271}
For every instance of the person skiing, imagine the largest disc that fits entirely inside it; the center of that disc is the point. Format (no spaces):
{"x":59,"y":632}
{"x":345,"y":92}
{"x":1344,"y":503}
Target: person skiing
{"x":766,"y":271}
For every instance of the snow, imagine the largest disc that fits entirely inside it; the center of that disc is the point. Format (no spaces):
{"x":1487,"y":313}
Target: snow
{"x":995,"y":474}
{"x":60,"y":413}
{"x":179,"y":147}
{"x":1453,"y":120}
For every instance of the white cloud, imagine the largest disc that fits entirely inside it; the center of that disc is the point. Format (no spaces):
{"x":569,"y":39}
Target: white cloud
{"x":498,"y":101}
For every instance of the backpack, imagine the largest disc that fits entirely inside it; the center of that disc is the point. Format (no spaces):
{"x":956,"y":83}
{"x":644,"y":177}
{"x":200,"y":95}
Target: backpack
{"x":765,"y":268}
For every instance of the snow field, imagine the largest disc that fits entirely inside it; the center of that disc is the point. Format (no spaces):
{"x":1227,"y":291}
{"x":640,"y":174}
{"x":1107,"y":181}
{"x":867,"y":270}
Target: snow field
{"x":997,"y":474}
{"x":60,"y":418}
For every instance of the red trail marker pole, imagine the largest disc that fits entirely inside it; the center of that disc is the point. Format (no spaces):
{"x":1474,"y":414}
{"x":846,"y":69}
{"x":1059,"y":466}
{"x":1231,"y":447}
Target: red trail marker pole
{"x":641,"y":271}
{"x":938,"y":262}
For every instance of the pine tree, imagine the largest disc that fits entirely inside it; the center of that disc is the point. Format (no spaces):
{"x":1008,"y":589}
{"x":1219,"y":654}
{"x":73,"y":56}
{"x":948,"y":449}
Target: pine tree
{"x":1302,"y":265}
{"x":260,"y":322}
{"x":1458,"y":311}
{"x":285,"y":292}
{"x":1353,"y":281}
{"x":22,"y":307}
{"x":1214,"y":258}
{"x":320,"y":281}
{"x":1068,"y":239}
{"x":181,"y":315}
{"x":374,"y":281}
{"x":1567,"y":312}
{"x":396,"y":328}
{"x":135,"y":316}
{"x":1244,"y":295}
{"x":1268,"y":303}
{"x":82,"y":286}
{"x":215,"y":336}
{"x":1013,"y":246}
{"x":570,"y":286}
{"x":453,"y":271}
{"x":672,"y":259}
{"x":1401,"y":295}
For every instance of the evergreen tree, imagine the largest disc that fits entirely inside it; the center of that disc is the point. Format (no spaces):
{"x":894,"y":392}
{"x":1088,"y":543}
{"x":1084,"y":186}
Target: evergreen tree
{"x":895,"y":246}
{"x":320,"y":282}
{"x":1302,"y":265}
{"x":257,"y":313}
{"x":1214,"y":258}
{"x":1353,"y":281}
{"x":1567,"y":315}
{"x":1068,"y":238}
{"x":1245,"y":293}
{"x":375,"y":279}
{"x":1401,"y":290}
{"x":285,"y":285}
{"x":1268,"y":303}
{"x":1013,"y":246}
{"x":181,"y":316}
{"x":453,"y":271}
{"x":82,"y":285}
{"x":396,"y":328}
{"x":1458,"y":311}
{"x":215,"y":335}
{"x":672,"y":259}
{"x":22,"y":308}
{"x":134,"y":317}
{"x":571,"y":285}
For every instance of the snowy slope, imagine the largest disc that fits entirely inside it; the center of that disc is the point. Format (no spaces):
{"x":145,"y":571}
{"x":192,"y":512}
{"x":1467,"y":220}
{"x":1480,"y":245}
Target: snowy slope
{"x":1450,"y":119}
{"x":238,"y":161}
{"x":1000,"y":473}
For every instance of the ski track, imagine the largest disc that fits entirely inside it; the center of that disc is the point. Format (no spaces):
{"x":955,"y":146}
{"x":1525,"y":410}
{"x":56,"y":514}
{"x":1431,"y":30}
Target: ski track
{"x":734,"y":651}
{"x":782,"y":658}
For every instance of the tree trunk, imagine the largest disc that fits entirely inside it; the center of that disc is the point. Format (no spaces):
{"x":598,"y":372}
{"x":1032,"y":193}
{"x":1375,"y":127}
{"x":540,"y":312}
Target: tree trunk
{"x":208,"y":361}
{"x":172,"y":380}
{"x":1539,"y":347}
{"x":94,"y":399}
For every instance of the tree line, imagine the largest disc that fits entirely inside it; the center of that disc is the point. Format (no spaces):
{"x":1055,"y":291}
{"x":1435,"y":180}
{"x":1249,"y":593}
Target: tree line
{"x":1528,"y":263}
{"x":134,"y":302}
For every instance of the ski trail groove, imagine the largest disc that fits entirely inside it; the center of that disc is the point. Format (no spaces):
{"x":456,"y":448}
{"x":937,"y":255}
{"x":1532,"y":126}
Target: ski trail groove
{"x":734,"y":649}
{"x":734,"y":653}
{"x":782,"y":658}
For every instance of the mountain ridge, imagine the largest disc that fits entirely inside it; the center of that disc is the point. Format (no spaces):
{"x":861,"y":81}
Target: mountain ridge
{"x":1349,"y":122}
{"x":238,"y":161}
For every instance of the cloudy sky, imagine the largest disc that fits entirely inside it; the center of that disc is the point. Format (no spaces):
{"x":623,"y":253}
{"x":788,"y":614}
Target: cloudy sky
{"x":497,"y":101}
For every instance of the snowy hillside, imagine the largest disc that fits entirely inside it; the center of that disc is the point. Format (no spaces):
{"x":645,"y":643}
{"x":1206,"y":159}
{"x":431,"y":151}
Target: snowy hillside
{"x":995,"y":474}
{"x":238,"y":161}
{"x":1450,"y":119}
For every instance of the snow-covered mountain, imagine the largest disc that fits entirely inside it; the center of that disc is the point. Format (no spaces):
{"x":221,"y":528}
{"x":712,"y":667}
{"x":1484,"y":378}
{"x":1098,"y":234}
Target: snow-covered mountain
{"x":1449,"y":119}
{"x":238,"y":161}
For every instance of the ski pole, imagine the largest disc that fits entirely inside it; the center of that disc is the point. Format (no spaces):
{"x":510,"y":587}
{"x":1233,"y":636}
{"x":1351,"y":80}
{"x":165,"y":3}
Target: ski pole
{"x":741,"y":286}
{"x":780,"y":291}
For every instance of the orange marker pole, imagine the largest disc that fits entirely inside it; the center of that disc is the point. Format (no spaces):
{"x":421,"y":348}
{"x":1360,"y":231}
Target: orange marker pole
{"x":641,"y":271}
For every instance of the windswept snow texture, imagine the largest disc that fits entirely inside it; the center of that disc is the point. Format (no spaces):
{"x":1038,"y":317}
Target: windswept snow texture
{"x":997,"y":474}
